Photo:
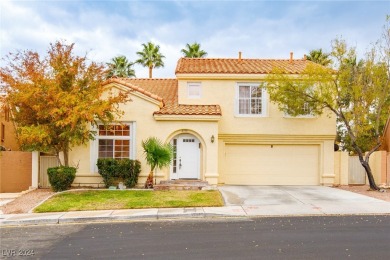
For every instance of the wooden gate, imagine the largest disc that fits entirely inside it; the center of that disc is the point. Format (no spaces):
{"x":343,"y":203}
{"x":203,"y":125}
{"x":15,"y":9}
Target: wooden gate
{"x":46,"y":162}
{"x":357,"y":174}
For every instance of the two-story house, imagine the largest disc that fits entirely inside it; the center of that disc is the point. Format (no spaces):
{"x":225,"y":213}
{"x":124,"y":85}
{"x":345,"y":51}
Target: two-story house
{"x":224,"y":128}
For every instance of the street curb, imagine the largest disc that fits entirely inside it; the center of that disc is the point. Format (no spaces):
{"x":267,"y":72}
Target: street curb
{"x":211,"y":216}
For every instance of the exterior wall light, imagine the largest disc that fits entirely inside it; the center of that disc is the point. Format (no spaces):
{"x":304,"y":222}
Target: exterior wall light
{"x":212,"y":138}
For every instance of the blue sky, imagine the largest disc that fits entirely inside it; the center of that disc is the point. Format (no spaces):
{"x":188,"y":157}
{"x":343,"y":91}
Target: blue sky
{"x":260,"y":29}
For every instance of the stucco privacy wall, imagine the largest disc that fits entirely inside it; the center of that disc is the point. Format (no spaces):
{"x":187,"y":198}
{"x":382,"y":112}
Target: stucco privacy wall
{"x":341,"y":161}
{"x":140,"y":111}
{"x":378,"y":166}
{"x":15,"y":171}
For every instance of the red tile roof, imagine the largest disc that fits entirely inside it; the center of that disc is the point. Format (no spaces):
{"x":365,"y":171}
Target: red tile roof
{"x":236,"y":66}
{"x":165,"y":91}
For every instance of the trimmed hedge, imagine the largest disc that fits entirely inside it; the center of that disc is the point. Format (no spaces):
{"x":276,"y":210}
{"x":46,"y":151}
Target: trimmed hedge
{"x":113,"y":170}
{"x":61,"y":177}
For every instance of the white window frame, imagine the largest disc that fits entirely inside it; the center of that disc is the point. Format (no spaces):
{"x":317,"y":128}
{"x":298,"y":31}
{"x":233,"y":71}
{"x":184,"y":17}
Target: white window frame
{"x":264,"y":99}
{"x":94,"y":144}
{"x":197,"y":85}
{"x":310,"y":113}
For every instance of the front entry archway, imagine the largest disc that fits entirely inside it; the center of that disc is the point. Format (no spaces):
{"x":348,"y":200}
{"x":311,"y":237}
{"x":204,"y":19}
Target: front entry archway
{"x":186,"y":157}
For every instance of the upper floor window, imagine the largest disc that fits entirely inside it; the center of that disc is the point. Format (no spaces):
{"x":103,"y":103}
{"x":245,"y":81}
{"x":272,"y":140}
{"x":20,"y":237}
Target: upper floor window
{"x":251,"y":99}
{"x":194,"y":89}
{"x":6,"y":113}
{"x":301,"y":108}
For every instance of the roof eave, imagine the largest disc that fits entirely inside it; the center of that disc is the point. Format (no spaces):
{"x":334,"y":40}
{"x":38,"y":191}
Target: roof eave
{"x":205,"y":118}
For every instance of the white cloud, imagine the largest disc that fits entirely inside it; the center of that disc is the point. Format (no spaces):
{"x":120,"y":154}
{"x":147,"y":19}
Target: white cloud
{"x":258,"y":29}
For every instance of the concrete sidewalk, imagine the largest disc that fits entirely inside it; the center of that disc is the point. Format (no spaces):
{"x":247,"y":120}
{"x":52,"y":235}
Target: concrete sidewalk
{"x":240,"y":201}
{"x":379,"y":207}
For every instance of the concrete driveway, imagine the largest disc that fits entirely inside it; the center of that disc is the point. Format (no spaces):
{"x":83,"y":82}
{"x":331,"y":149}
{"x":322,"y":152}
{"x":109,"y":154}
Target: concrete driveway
{"x":296,"y":200}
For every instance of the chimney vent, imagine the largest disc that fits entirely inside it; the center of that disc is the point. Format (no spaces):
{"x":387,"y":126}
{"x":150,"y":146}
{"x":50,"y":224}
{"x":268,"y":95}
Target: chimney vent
{"x":291,"y":57}
{"x":239,"y":56}
{"x":304,"y":57}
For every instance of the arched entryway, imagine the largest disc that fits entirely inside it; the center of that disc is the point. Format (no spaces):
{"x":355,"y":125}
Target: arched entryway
{"x":186,"y":157}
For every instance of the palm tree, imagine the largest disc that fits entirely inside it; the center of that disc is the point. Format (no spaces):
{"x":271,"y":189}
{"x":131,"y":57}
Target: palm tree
{"x":150,"y":57}
{"x":319,"y":57}
{"x":157,"y":155}
{"x":120,"y":67}
{"x":193,"y":51}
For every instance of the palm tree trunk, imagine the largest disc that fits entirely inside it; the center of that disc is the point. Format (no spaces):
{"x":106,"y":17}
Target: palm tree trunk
{"x":149,"y":181}
{"x":150,"y":71}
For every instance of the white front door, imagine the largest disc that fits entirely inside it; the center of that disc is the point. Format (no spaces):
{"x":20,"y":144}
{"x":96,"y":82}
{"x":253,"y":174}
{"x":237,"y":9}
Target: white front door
{"x":186,"y":157}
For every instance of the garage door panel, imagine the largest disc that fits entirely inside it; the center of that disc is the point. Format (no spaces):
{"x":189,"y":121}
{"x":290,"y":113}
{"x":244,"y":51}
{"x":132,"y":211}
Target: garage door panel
{"x":271,"y":165}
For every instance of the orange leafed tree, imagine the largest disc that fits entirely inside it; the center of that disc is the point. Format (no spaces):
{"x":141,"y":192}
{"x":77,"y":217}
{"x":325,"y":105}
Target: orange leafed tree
{"x":56,"y":99}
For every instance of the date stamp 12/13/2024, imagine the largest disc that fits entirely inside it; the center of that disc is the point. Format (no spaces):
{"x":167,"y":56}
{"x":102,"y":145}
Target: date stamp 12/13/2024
{"x":17,"y":252}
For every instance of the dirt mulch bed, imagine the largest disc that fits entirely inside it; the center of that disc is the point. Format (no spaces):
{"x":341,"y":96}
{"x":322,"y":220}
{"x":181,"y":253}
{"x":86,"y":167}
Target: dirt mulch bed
{"x":26,"y":202}
{"x":365,"y":190}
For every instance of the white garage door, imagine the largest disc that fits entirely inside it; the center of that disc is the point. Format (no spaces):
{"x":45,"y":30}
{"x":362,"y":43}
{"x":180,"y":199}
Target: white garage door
{"x":271,"y":165}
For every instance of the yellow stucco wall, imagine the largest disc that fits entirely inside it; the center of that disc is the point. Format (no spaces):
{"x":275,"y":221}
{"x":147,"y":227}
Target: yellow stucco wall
{"x":223,"y":93}
{"x":272,"y":128}
{"x":140,"y":111}
{"x":378,"y":167}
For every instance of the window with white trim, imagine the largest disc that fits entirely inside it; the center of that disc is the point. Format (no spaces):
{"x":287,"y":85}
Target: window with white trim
{"x":305,"y":109}
{"x":114,"y":141}
{"x":251,"y":99}
{"x":194,"y":89}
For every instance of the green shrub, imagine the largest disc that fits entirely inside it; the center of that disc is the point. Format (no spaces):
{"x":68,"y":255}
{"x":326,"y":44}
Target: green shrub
{"x":107,"y":169}
{"x":113,"y":171}
{"x":61,"y":177}
{"x":129,"y":171}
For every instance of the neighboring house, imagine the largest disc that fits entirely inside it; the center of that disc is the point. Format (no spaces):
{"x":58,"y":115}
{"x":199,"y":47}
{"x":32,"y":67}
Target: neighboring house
{"x":386,"y":147}
{"x":15,"y":166}
{"x":386,"y":136}
{"x":7,"y":129}
{"x":224,"y":129}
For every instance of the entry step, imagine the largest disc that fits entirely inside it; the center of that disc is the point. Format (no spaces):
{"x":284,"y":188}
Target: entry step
{"x":181,"y":185}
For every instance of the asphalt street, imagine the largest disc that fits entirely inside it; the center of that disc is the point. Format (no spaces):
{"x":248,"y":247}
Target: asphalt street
{"x":317,"y":237}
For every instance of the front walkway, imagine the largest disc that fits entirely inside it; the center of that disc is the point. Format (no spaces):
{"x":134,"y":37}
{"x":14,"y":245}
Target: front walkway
{"x":8,"y":197}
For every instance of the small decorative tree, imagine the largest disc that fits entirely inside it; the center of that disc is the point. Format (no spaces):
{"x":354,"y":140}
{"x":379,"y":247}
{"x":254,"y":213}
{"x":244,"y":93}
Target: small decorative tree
{"x":157,"y":155}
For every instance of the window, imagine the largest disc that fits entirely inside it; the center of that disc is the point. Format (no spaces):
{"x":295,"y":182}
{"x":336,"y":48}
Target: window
{"x":174,"y":163}
{"x":194,"y":89}
{"x":251,"y":99}
{"x":114,"y":141}
{"x":2,"y":132}
{"x":306,"y":111}
{"x":303,"y":107}
{"x":6,"y":113}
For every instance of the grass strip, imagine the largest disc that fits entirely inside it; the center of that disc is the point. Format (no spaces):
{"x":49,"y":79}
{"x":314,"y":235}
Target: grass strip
{"x":129,"y":199}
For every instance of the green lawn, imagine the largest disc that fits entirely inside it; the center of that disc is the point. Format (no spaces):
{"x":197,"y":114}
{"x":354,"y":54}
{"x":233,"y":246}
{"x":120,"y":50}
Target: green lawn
{"x":129,"y":199}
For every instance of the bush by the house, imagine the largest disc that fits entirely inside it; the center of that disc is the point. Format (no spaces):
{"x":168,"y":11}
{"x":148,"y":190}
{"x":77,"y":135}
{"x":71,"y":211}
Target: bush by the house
{"x":61,"y":177}
{"x":113,"y":171}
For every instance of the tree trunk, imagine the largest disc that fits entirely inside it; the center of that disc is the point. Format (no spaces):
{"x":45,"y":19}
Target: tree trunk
{"x":66,"y":158}
{"x":149,"y":181}
{"x":150,"y":71}
{"x":370,"y":177}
